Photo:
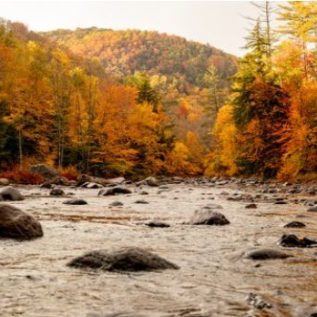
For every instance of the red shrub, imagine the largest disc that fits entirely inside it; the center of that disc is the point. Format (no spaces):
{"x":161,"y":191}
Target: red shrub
{"x":69,"y":172}
{"x":22,"y":177}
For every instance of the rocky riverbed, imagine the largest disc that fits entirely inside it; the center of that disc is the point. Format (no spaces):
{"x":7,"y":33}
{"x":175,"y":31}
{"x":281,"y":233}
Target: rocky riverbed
{"x":216,"y":275}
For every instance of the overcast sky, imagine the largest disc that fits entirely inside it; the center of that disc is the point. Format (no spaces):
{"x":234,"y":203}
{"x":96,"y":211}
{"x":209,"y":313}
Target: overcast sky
{"x":220,"y":23}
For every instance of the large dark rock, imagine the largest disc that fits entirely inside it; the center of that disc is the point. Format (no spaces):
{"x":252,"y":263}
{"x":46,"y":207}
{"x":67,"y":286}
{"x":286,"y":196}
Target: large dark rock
{"x":209,"y":217}
{"x":16,"y":224}
{"x":75,"y":201}
{"x":292,"y":241}
{"x":295,"y":224}
{"x":46,"y":171}
{"x":126,"y":259}
{"x":114,"y":191}
{"x":266,"y":254}
{"x":11,"y":194}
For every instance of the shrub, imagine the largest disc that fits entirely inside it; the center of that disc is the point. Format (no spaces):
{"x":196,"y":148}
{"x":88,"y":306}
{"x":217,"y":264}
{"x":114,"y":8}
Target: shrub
{"x":69,"y":172}
{"x":22,"y":177}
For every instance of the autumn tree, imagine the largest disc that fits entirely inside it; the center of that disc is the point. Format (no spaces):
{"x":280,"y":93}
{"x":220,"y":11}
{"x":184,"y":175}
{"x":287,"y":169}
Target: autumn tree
{"x":299,"y":23}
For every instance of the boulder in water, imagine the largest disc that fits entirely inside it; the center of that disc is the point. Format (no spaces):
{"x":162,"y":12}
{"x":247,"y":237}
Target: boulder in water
{"x":126,"y":259}
{"x":16,"y":224}
{"x":75,"y":201}
{"x":267,"y":254}
{"x":295,"y":224}
{"x":57,"y":192}
{"x":10,"y":193}
{"x":141,"y":201}
{"x":116,"y":204}
{"x":251,"y":206}
{"x":46,"y":171}
{"x":209,"y":217}
{"x":114,"y":191}
{"x":292,"y":241}
{"x":157,"y":224}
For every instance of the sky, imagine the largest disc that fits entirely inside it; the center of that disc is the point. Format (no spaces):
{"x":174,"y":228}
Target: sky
{"x":222,"y":24}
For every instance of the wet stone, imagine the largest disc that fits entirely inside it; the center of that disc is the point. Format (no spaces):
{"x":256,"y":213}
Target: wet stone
{"x":209,"y":217}
{"x":280,"y":202}
{"x":213,"y":207}
{"x":292,"y":241}
{"x":141,"y":201}
{"x":251,"y":206}
{"x":266,"y":254}
{"x":257,"y":302}
{"x":116,"y":204}
{"x":117,"y":190}
{"x":16,"y":224}
{"x":122,"y":260}
{"x":11,"y":194}
{"x":157,"y":224}
{"x":57,"y":192}
{"x":91,"y":185}
{"x":295,"y":224}
{"x":75,"y":202}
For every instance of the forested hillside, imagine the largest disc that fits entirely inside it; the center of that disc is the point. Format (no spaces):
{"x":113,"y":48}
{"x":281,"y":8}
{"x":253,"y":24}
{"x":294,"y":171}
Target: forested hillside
{"x":69,"y":108}
{"x":138,"y":103}
{"x":123,"y":53}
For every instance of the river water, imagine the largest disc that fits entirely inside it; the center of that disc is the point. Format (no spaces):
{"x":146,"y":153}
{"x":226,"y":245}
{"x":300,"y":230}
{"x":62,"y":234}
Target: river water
{"x":214,"y":277}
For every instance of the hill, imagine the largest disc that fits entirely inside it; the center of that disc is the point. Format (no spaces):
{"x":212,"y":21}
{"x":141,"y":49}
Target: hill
{"x":122,"y":53}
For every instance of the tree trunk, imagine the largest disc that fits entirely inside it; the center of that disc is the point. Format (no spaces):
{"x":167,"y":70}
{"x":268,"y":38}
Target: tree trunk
{"x":20,"y":149}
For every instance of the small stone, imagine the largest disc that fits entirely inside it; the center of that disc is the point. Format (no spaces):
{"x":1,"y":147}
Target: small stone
{"x":114,"y":191}
{"x":116,"y":204}
{"x":151,"y":181}
{"x":75,"y":202}
{"x":251,"y":206}
{"x":257,"y":302}
{"x":141,"y":201}
{"x":46,"y":185}
{"x":280,"y":202}
{"x":91,"y":185}
{"x":57,"y":192}
{"x":157,"y":224}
